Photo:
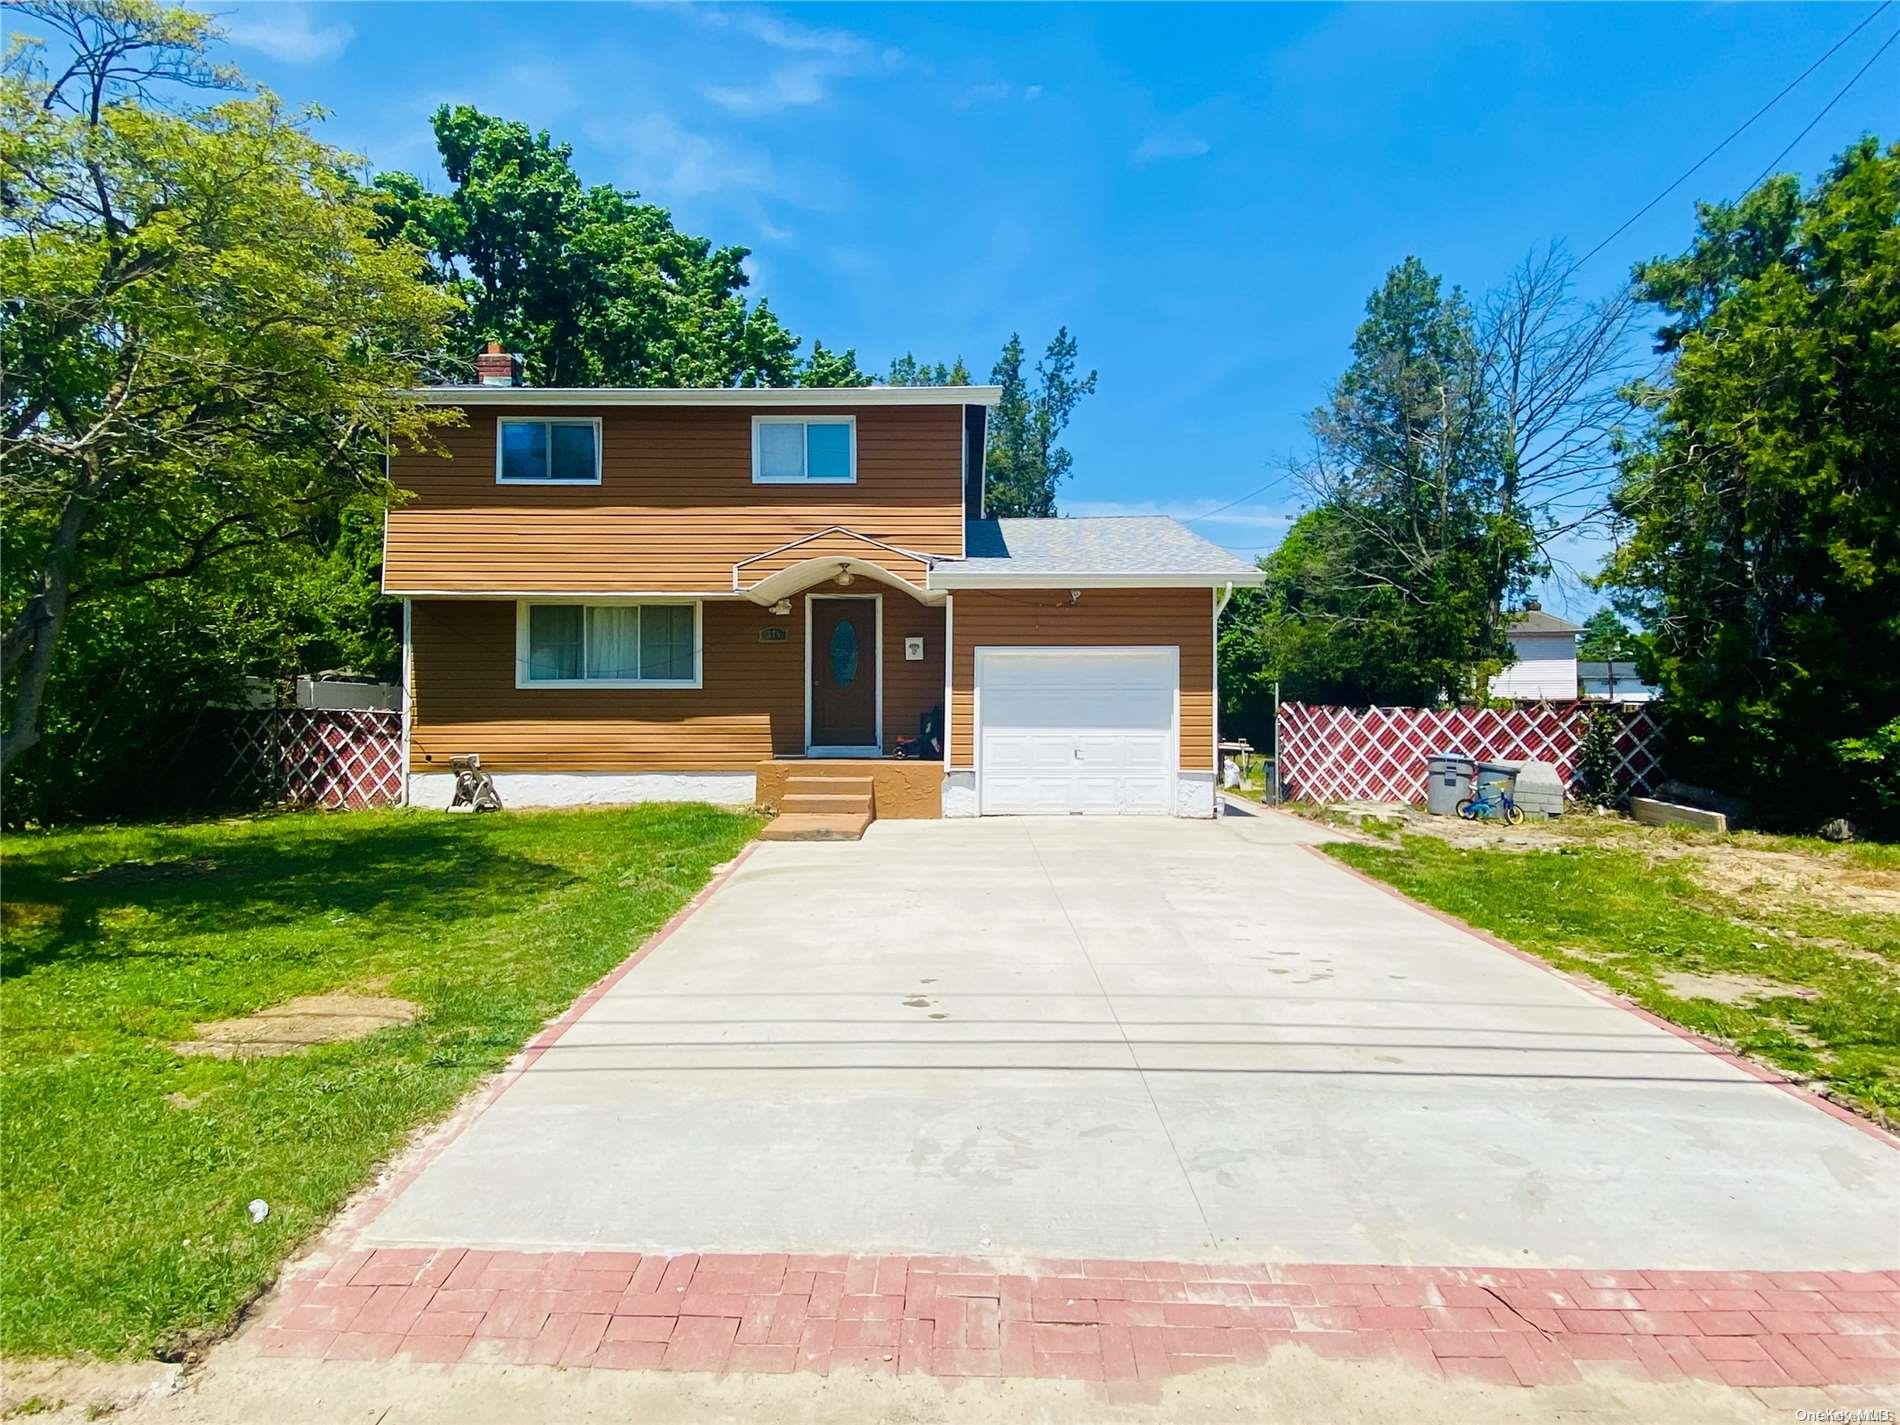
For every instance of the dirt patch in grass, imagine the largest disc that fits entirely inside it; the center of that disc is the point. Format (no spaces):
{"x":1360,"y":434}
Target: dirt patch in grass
{"x":1787,"y":878}
{"x":1727,"y":989}
{"x":296,"y":1024}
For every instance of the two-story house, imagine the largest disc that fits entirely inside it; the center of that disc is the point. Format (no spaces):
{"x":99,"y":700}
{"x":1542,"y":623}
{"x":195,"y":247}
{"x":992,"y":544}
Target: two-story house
{"x":616,"y":595}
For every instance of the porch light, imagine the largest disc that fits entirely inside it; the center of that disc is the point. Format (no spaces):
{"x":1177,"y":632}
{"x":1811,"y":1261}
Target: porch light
{"x":782,"y":607}
{"x":845,"y":576}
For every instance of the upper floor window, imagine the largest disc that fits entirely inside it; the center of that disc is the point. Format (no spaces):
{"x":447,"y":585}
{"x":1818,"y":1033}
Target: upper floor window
{"x":607,"y":645}
{"x":547,"y":452}
{"x":800,"y":449}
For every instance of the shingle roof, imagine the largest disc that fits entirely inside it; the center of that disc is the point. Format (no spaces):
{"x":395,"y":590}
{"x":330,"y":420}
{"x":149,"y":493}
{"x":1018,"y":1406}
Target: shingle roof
{"x":1537,"y":621}
{"x":1117,"y":546}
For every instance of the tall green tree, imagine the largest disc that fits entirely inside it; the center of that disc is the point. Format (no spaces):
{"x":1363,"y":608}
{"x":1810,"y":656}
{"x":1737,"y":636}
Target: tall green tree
{"x":1605,"y":636}
{"x":907,"y":370}
{"x":202,"y":334}
{"x":831,"y":368}
{"x":1384,"y":590}
{"x":1760,"y":517}
{"x":1025,"y":459}
{"x":592,"y":286}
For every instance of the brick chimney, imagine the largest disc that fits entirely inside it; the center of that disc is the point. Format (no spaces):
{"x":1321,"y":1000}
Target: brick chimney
{"x":495,"y":367}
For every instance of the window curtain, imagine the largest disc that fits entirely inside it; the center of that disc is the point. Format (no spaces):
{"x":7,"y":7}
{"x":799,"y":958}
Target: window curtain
{"x":782,"y":451}
{"x":613,"y":642}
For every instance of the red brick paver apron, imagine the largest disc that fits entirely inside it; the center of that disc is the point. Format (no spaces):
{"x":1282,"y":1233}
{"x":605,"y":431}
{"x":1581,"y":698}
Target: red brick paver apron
{"x":1110,"y":1321}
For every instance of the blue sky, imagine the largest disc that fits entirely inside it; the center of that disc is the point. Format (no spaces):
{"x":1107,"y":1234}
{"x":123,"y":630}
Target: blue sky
{"x":1204,"y":195}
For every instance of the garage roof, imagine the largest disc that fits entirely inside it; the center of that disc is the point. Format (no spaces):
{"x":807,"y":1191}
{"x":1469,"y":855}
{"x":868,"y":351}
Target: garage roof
{"x":1127,"y":550}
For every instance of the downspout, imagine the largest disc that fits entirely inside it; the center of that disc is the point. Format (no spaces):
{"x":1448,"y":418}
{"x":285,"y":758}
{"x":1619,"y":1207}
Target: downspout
{"x":407,"y":694}
{"x":1220,"y":607}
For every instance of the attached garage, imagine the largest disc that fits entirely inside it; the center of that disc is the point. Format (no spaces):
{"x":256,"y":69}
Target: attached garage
{"x":1079,"y":676}
{"x":1068,"y":731}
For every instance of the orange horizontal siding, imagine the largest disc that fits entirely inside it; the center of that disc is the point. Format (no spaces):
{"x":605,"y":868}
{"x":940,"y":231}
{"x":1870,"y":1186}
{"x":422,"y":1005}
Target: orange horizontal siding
{"x":1181,"y":618}
{"x":751,"y":705}
{"x":674,"y":511}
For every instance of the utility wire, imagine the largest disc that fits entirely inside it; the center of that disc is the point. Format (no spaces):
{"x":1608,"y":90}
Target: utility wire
{"x":1744,"y":127}
{"x":1830,"y":103}
{"x":1684,"y":177}
{"x":1276,"y":480}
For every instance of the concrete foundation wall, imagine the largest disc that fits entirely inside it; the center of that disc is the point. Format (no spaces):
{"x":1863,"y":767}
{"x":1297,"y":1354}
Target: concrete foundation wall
{"x":1194,"y":794}
{"x":959,"y":794}
{"x":573,"y":789}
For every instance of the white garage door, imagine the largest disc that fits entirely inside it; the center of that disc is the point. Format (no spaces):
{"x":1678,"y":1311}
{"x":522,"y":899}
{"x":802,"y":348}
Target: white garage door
{"x":1061,"y":731}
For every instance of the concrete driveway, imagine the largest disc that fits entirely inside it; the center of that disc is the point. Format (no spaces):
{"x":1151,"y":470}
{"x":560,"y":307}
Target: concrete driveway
{"x":1133,"y":1039}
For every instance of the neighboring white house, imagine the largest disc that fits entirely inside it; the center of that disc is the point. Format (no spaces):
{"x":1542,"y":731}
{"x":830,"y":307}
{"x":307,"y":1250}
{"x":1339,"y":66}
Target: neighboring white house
{"x":1547,"y":669}
{"x":1614,"y":681}
{"x":1546,"y":666}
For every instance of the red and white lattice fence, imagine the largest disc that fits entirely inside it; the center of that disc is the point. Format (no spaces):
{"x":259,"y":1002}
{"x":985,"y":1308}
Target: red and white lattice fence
{"x":1331,"y":754}
{"x":316,"y":757}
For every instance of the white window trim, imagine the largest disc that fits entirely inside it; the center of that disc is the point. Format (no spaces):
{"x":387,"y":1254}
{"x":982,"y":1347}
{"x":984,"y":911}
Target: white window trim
{"x":594,"y":421}
{"x":851,"y":422}
{"x":523,"y":681}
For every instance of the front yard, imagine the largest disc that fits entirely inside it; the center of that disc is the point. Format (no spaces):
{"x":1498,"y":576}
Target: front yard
{"x":124,"y":1227}
{"x":1786,"y":947}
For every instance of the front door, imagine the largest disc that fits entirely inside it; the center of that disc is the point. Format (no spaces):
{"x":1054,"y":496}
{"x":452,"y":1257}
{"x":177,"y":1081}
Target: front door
{"x":844,"y":673}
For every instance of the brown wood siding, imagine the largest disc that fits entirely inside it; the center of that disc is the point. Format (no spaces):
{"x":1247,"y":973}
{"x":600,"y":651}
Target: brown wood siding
{"x":751,"y":705}
{"x":1183,"y":618}
{"x":676,"y":507}
{"x":910,"y":689}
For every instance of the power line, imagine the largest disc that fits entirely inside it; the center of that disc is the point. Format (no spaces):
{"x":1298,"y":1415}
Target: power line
{"x":1744,"y":127}
{"x":1829,"y":105}
{"x":1278,"y":479}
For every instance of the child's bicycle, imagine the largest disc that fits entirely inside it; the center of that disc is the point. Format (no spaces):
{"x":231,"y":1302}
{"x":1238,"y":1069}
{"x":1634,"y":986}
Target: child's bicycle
{"x":1491,"y":802}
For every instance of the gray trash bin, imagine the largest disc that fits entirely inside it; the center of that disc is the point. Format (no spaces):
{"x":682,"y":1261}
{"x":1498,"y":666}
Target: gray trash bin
{"x":1498,"y":776}
{"x":1447,"y":781}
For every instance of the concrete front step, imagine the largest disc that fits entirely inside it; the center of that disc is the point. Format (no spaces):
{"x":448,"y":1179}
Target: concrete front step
{"x":816,"y":826}
{"x":818,"y":783}
{"x":827,"y":802}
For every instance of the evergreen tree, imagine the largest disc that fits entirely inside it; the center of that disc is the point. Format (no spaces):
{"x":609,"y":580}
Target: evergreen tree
{"x":1597,"y":777}
{"x":1382,"y":592}
{"x":907,"y":370}
{"x":1760,"y":518}
{"x":1025,"y":459}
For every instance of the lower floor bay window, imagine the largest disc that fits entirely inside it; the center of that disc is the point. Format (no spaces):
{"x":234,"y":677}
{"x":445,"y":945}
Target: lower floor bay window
{"x":607,"y":645}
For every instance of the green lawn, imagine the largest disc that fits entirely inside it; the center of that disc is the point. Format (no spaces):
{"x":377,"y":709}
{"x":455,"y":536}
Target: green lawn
{"x":1765,"y":942}
{"x":123,"y":1228}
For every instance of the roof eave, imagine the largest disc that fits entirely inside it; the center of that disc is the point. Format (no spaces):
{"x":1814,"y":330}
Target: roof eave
{"x":780,"y":397}
{"x":949,"y":578}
